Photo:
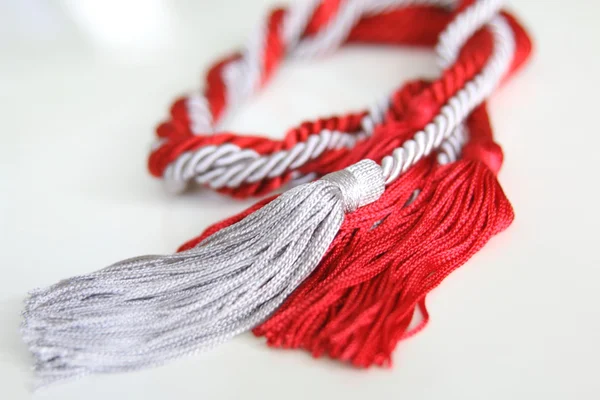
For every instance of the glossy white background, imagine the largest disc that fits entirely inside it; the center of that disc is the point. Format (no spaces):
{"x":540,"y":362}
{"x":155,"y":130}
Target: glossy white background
{"x":84,"y":82}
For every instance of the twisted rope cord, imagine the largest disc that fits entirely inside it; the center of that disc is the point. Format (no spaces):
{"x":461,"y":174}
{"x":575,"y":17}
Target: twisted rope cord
{"x":338,"y":29}
{"x":230,"y":166}
{"x":204,"y":107}
{"x":178,"y":173}
{"x":246,"y":74}
{"x":460,"y":105}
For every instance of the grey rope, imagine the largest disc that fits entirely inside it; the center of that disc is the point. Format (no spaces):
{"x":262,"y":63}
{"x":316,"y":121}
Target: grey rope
{"x":147,"y":310}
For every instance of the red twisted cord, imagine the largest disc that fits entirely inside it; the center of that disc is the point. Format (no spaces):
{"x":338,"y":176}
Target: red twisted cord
{"x":178,"y":137}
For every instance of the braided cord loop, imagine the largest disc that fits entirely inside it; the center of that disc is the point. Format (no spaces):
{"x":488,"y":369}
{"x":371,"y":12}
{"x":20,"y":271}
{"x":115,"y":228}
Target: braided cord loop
{"x":190,"y":146}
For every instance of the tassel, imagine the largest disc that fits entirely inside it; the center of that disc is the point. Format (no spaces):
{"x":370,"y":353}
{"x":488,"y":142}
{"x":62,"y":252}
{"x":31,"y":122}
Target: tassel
{"x":415,"y":177}
{"x":361,"y":299}
{"x":365,"y":273}
{"x":146,"y":310}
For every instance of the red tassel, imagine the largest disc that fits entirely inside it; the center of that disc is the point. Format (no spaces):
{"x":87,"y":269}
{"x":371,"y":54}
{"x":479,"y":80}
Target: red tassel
{"x":361,"y":300}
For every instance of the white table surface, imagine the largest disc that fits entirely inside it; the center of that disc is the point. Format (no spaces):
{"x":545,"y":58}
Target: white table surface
{"x":82,"y":85}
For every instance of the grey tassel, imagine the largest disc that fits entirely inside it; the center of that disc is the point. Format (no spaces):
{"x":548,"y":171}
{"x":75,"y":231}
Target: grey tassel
{"x":146,"y":310}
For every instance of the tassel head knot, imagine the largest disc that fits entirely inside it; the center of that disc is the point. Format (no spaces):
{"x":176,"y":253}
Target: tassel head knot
{"x":359,"y":184}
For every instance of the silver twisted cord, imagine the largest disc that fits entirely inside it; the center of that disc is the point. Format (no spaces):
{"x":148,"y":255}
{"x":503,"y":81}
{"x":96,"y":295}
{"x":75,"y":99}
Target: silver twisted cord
{"x":458,"y":107}
{"x":451,"y":148}
{"x":462,"y":28}
{"x":228,"y":165}
{"x":242,"y":77}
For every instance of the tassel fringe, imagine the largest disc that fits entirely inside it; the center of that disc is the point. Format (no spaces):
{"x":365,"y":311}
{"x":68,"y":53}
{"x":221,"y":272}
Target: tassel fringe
{"x":147,"y":310}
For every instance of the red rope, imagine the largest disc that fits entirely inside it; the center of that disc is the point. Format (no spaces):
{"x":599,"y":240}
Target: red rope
{"x":409,"y":26}
{"x":392,"y":27}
